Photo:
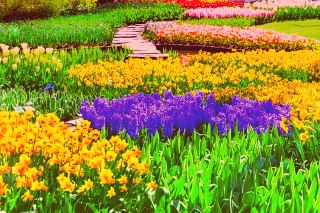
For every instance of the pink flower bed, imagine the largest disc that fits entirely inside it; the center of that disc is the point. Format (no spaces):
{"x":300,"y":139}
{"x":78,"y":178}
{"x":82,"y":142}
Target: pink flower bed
{"x":207,"y":3}
{"x":228,"y":12}
{"x":230,"y":37}
{"x":275,"y":4}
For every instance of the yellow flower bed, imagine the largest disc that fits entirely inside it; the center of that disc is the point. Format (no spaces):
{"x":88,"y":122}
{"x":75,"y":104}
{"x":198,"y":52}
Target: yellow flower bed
{"x":304,"y":98}
{"x":302,"y":59}
{"x":46,"y":156}
{"x":144,"y":74}
{"x":253,"y":74}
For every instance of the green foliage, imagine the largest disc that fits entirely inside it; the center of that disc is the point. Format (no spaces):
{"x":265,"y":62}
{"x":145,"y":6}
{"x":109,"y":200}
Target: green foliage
{"x":96,"y":28}
{"x":235,"y":173}
{"x":32,"y":9}
{"x":29,"y":9}
{"x":26,"y":85}
{"x":31,"y":73}
{"x":297,"y":13}
{"x":34,"y":70}
{"x":63,"y":103}
{"x":171,"y":53}
{"x":233,"y":22}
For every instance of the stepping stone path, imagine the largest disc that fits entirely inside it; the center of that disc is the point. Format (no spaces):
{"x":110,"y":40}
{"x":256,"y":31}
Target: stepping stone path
{"x":132,"y":38}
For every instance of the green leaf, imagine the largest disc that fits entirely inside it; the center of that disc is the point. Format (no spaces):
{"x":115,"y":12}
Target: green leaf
{"x":13,"y":202}
{"x":248,"y":199}
{"x":161,"y":192}
{"x":311,"y":195}
{"x":178,"y":205}
{"x":194,"y":190}
{"x":254,"y":210}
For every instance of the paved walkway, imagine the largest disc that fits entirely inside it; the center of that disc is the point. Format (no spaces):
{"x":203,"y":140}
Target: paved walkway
{"x":132,"y":38}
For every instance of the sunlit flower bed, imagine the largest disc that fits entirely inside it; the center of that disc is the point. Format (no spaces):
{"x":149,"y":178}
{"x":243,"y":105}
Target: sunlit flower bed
{"x":225,"y":36}
{"x":33,"y":68}
{"x":303,"y":61}
{"x":223,"y":132}
{"x":207,"y":3}
{"x":228,"y":12}
{"x":184,"y":113}
{"x":283,"y":77}
{"x":302,"y":96}
{"x":149,"y":75}
{"x":43,"y":161}
{"x":275,"y":4}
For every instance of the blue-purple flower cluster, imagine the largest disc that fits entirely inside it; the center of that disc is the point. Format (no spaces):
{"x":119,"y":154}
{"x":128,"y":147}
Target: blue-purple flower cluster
{"x":186,"y":113}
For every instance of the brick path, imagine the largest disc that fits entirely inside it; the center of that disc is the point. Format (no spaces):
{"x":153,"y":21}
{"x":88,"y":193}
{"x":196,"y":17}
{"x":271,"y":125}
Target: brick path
{"x":131,"y":37}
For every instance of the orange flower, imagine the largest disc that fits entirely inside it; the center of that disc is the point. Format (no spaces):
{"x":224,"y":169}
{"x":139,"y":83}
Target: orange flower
{"x":152,"y":185}
{"x":28,"y":114}
{"x":27,"y":196}
{"x":284,"y":125}
{"x":111,"y":193}
{"x":81,"y":189}
{"x":53,"y":145}
{"x":65,"y":183}
{"x":137,"y":152}
{"x":88,"y":184}
{"x":133,"y":163}
{"x":124,"y":188}
{"x":110,"y":156}
{"x":143,"y":168}
{"x":5,"y":169}
{"x":106,"y":177}
{"x":96,"y":162}
{"x":303,"y":136}
{"x":123,"y":180}
{"x":37,"y":186}
{"x":136,"y":180}
{"x":22,"y":166}
{"x":3,"y":187}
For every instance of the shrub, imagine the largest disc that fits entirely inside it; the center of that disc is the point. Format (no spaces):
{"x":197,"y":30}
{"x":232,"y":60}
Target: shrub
{"x":33,"y":9}
{"x":30,"y":9}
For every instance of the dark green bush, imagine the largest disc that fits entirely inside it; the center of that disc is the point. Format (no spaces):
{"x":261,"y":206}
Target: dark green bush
{"x":11,"y":10}
{"x":30,"y":9}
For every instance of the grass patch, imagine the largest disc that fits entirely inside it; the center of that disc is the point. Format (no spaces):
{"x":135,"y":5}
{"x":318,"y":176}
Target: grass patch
{"x":96,"y":28}
{"x":307,"y":28}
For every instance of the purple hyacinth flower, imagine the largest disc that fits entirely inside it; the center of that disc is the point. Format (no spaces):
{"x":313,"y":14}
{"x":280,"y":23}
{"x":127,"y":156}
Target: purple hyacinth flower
{"x":186,"y":112}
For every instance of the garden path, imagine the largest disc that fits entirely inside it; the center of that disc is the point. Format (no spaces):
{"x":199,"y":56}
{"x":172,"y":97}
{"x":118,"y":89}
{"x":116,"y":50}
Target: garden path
{"x":132,"y":38}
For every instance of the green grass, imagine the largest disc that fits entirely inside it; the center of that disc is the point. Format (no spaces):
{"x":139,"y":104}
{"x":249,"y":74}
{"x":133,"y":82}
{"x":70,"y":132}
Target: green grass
{"x":95,"y":28}
{"x":307,"y":28}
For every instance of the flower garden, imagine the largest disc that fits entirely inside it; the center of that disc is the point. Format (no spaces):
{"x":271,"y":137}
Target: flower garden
{"x":86,"y":127}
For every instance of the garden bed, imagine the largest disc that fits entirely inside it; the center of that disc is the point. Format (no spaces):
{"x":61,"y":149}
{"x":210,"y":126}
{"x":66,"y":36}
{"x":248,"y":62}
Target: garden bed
{"x":172,"y":32}
{"x":196,"y":48}
{"x":233,"y":131}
